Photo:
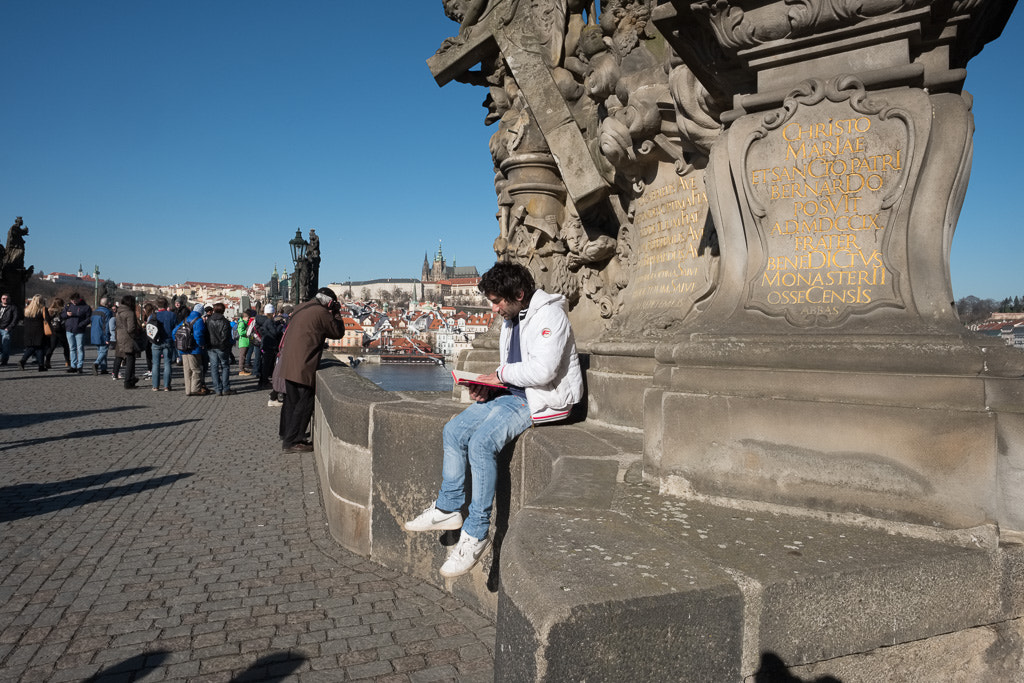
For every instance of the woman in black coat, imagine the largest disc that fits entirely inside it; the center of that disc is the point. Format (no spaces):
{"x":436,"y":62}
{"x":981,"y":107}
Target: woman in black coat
{"x":128,"y":338}
{"x":35,"y":332}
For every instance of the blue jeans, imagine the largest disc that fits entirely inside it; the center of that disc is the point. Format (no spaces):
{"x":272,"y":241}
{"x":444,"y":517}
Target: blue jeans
{"x":220,"y":370}
{"x":162,"y":350}
{"x":76,"y":342}
{"x":101,"y":357}
{"x":5,"y":345}
{"x":474,"y":437}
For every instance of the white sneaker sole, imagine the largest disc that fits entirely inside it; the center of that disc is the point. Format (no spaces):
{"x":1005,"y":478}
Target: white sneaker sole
{"x":447,"y":524}
{"x":452,"y":573}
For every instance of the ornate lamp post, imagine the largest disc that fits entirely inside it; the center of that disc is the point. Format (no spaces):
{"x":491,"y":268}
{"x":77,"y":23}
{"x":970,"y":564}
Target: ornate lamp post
{"x":298,"y":248}
{"x":96,"y":283}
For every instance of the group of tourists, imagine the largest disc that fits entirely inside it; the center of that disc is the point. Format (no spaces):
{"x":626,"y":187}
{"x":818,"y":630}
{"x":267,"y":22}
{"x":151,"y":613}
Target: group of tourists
{"x":201,"y":339}
{"x":123,"y":331}
{"x":46,"y":328}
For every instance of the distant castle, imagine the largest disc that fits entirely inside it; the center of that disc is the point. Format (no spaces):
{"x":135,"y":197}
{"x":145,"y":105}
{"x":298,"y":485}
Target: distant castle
{"x":438,"y":281}
{"x":438,"y":271}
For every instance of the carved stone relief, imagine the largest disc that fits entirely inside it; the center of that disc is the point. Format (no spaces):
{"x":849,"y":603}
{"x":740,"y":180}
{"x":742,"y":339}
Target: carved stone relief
{"x":646,"y":124}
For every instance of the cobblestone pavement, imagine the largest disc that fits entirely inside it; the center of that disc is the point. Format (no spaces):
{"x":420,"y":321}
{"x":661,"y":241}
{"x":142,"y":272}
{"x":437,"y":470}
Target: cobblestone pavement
{"x":150,"y":536}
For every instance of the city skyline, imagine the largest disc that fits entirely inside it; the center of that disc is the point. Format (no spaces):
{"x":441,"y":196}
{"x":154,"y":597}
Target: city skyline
{"x":189,"y":141}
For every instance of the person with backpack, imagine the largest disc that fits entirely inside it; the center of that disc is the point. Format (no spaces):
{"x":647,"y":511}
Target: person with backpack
{"x":159,"y":329}
{"x":190,"y":340}
{"x":268,"y":329}
{"x":219,"y":331}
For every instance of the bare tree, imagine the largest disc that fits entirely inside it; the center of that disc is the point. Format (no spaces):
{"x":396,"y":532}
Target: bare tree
{"x":972,"y":310}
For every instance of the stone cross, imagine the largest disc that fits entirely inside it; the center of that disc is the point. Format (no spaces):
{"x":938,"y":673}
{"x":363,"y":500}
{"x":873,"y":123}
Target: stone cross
{"x":503,"y":28}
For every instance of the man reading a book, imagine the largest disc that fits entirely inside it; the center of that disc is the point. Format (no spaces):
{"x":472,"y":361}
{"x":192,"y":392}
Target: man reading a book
{"x":538,"y":380}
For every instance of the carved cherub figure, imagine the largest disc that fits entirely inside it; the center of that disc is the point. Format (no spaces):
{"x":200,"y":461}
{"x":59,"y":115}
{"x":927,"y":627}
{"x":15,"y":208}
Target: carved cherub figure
{"x":467,"y":13}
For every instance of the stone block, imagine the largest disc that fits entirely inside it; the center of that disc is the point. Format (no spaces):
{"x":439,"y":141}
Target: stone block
{"x":406,"y":446}
{"x":539,"y":453}
{"x":1012,"y":578}
{"x":985,"y":653}
{"x":912,"y":464}
{"x":906,"y":590}
{"x":615,"y":388}
{"x":346,"y":467}
{"x":582,"y":599}
{"x":789,"y":589}
{"x":347,"y":402}
{"x":345,"y":480}
{"x":342,"y":419}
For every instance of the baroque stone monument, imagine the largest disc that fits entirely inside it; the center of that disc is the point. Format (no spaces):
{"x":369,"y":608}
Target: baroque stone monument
{"x":760,"y":198}
{"x":749,"y":205}
{"x":13,"y":274}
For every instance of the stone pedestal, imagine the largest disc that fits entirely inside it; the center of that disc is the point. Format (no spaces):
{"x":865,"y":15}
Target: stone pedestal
{"x":827,"y":369}
{"x":889,"y":430}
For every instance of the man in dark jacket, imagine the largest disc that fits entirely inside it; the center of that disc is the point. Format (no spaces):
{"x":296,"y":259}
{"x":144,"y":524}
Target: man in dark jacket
{"x":163,"y":346}
{"x":76,"y":317}
{"x":8,"y":318}
{"x":219,"y":330}
{"x":100,"y":336}
{"x":269,"y":327}
{"x":181,"y":311}
{"x":309,"y":326}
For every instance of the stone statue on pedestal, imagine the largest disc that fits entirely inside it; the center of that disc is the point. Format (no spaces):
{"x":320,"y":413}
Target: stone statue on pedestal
{"x":306,"y":277}
{"x":312,"y":272}
{"x":13,"y":274}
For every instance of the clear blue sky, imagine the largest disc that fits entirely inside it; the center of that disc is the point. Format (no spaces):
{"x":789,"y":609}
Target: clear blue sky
{"x":188,"y":140}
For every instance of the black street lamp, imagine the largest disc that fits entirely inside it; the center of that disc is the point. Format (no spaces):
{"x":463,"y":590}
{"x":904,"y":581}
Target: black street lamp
{"x":298,"y":247}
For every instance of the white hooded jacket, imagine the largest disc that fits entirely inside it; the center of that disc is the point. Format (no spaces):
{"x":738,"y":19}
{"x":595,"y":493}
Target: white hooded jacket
{"x":550,"y":369}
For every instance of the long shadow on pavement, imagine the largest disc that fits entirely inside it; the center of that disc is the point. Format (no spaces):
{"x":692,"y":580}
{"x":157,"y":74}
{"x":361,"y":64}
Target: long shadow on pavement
{"x":133,"y":668}
{"x":14,"y":420}
{"x":274,"y":667}
{"x":28,"y":500}
{"x":53,"y":487}
{"x":86,"y":433}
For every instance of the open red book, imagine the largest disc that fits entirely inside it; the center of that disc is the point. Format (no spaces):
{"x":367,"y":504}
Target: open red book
{"x":464,"y":378}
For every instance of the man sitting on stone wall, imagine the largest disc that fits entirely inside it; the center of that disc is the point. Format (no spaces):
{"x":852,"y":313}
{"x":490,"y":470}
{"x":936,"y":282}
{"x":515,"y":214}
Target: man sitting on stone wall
{"x":541,"y":372}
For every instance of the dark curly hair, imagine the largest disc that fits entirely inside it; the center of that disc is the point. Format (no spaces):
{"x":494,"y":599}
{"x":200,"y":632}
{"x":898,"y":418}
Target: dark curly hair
{"x":506,"y":280}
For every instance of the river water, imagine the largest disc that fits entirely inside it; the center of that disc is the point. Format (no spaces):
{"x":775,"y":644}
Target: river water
{"x":412,"y":377}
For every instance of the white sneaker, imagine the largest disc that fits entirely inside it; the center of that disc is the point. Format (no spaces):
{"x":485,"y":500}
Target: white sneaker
{"x":273,"y":404}
{"x":464,"y":557}
{"x":433,"y":519}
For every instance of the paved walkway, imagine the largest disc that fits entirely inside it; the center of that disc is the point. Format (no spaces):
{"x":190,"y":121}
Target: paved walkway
{"x":158,"y":537}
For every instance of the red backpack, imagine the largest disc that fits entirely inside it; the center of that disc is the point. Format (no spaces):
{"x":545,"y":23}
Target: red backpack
{"x":252,"y":333}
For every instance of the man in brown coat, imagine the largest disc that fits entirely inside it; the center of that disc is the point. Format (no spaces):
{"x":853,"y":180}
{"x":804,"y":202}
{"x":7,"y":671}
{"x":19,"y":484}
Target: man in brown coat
{"x":310,"y":325}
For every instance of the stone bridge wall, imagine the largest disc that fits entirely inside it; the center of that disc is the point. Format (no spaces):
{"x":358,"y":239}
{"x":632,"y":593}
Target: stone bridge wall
{"x":594,"y":574}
